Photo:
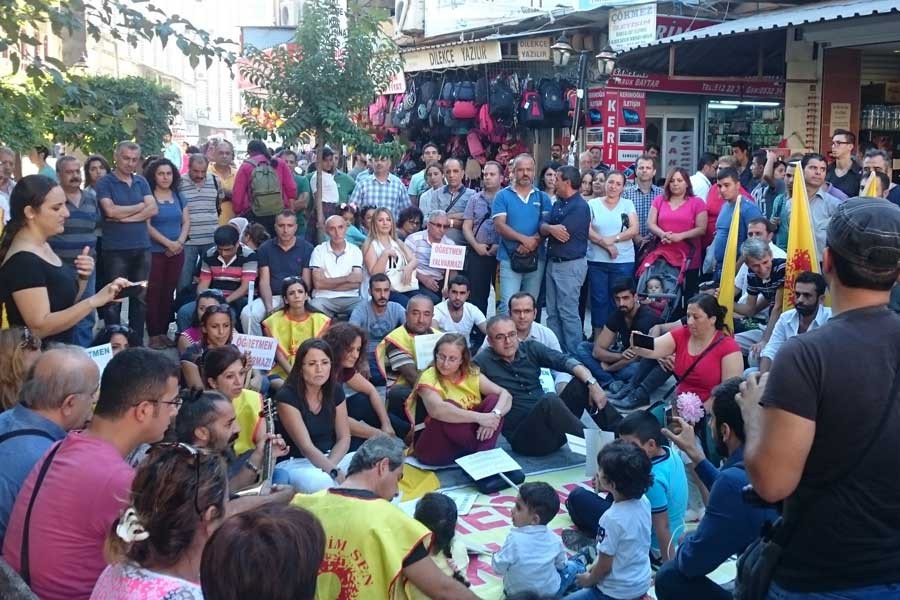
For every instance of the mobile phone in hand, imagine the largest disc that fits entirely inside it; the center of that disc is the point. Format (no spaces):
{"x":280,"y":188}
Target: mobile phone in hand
{"x":132,"y":291}
{"x":647,"y":342}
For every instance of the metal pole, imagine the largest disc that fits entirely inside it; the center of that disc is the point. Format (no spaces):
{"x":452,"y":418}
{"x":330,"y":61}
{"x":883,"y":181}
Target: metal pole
{"x":579,"y":102}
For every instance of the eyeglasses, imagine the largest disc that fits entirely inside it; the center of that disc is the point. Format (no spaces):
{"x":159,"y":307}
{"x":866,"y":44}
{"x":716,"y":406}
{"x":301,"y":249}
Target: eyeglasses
{"x":440,"y":225}
{"x":192,"y":453}
{"x":29,"y":340}
{"x":499,"y":337}
{"x":837,"y":143}
{"x":119,"y":329}
{"x":450,"y":360}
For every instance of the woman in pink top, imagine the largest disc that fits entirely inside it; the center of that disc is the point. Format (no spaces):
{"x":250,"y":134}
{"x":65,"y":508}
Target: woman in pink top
{"x":678,"y":217}
{"x":155,"y":545}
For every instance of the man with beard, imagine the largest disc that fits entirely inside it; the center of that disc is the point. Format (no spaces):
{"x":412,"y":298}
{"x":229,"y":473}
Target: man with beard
{"x":610,"y":357}
{"x":729,"y":524}
{"x":808,"y":313}
{"x":556,"y":153}
{"x":80,"y":232}
{"x":207,"y":420}
{"x":517,"y":213}
{"x":455,"y":314}
{"x":378,"y":317}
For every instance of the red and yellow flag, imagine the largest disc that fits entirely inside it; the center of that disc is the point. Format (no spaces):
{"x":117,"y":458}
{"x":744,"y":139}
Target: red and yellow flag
{"x":801,"y":248}
{"x":871,"y":190}
{"x":729,"y":266}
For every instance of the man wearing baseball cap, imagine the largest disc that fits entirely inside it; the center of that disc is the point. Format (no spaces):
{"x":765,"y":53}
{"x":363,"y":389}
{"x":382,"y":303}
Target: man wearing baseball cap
{"x":822,"y":432}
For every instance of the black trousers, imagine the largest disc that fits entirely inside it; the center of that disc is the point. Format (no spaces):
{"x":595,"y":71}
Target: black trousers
{"x":359,"y":407}
{"x":672,"y":584}
{"x":133,"y":265}
{"x":544,"y":429}
{"x":481,"y":271}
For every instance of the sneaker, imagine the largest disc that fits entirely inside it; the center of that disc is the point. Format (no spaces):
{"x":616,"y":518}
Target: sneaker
{"x":622,"y":392}
{"x":633,"y":401}
{"x":576,"y":541}
{"x":615,"y":386}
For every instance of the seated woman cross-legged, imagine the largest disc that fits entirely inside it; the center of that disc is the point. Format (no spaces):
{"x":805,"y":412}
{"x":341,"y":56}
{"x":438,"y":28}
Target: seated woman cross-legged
{"x":463,"y":409}
{"x":313,"y":415}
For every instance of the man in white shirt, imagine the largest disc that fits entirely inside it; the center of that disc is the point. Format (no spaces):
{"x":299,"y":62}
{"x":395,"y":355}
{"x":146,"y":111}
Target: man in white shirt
{"x":808,"y":313}
{"x":336,"y":271}
{"x":762,"y":229}
{"x":702,"y":180}
{"x":455,"y":314}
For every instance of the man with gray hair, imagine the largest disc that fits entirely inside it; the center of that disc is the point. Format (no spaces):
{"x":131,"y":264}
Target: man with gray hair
{"x":432,"y":281}
{"x":451,"y":198}
{"x":56,"y":397}
{"x":765,"y":290}
{"x":202,"y":192}
{"x":373,"y":546}
{"x":517,"y":214}
{"x":7,"y":183}
{"x":127,"y":205}
{"x":336,"y":268}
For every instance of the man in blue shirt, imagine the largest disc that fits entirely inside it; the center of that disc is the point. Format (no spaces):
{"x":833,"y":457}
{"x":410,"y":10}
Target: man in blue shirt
{"x":517,"y":214}
{"x":567,"y":232}
{"x":127,"y":205}
{"x":730,"y":524}
{"x":57,"y":397}
{"x":728,"y":182}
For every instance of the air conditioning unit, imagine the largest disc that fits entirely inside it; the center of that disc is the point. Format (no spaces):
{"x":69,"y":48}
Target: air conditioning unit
{"x":409,"y":16}
{"x":290,"y":12}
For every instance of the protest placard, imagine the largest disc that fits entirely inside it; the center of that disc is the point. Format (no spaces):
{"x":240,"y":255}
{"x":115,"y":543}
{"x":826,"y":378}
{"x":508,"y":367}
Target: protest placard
{"x":448,"y":256}
{"x":101,"y":355}
{"x":262,"y":349}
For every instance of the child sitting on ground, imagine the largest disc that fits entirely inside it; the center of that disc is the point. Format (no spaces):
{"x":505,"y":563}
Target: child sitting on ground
{"x":533,"y":558}
{"x":622,"y":569}
{"x":438,"y":513}
{"x":657,"y":305}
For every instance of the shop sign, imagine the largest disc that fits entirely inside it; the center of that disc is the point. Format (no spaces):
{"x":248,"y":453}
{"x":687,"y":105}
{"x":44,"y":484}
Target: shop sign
{"x":622,"y":121}
{"x":657,"y":82}
{"x":840,"y":116}
{"x":632,"y":26}
{"x":669,"y":25}
{"x":449,"y":57}
{"x":396,"y":84}
{"x":534,"y":49}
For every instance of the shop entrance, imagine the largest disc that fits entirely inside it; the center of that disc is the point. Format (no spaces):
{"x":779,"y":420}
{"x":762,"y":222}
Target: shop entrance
{"x":676,"y":135}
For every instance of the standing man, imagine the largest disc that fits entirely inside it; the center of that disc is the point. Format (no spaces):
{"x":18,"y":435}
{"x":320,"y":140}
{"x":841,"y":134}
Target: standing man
{"x":417,"y":184}
{"x":740,"y":150}
{"x":378,"y":317}
{"x":383,"y":189}
{"x":80,"y":232}
{"x":597,"y":163}
{"x":729,"y":188}
{"x":478,"y":229}
{"x":284,"y":256}
{"x":807,"y":446}
{"x":336,"y":268}
{"x":360,"y":164}
{"x":127,"y":206}
{"x":223,"y":168}
{"x":452,"y":198}
{"x":844,"y":173}
{"x":821,"y":204}
{"x":202,"y":193}
{"x":7,"y":183}
{"x":878,"y":161}
{"x":585,"y":162}
{"x":642,"y":192}
{"x":703,"y":179}
{"x":301,"y":204}
{"x":567,"y":231}
{"x":556,"y":153}
{"x":431,"y":279}
{"x":263,"y":187}
{"x":518,"y":212}
{"x":171,"y":150}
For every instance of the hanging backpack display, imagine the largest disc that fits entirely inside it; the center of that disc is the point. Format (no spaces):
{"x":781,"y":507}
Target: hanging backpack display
{"x":482,"y":91}
{"x":502,"y":100}
{"x":552,"y":98}
{"x":265,"y":189}
{"x":378,"y":110}
{"x":531,"y":112}
{"x":428,"y":93}
{"x":464,"y":91}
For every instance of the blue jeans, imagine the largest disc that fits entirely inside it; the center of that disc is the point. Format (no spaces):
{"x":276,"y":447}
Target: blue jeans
{"x":873,"y":592}
{"x":591,"y":593}
{"x":564,"y":281}
{"x":184,"y":316}
{"x":584,"y":353}
{"x":191,"y":254}
{"x":512,"y":282}
{"x":567,"y":574}
{"x":602,"y":276}
{"x":375,"y":377}
{"x":83,"y":332}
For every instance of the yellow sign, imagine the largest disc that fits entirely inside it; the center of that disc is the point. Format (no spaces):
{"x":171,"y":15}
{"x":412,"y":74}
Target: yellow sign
{"x":448,"y":57}
{"x":534,"y":49}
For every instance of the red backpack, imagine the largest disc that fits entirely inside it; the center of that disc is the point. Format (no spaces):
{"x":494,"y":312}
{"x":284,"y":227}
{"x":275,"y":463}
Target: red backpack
{"x":531,"y":111}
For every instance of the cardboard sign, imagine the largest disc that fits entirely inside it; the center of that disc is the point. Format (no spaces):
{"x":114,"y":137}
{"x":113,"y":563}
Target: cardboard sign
{"x":425,"y":349}
{"x":101,"y":355}
{"x":487,"y":463}
{"x":448,"y":256}
{"x":261,"y":349}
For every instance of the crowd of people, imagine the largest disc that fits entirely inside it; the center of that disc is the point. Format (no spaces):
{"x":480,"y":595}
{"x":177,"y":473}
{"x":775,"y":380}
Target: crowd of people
{"x":380,"y":356}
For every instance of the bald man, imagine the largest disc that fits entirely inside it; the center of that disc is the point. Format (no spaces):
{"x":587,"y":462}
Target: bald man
{"x":56,"y":398}
{"x":336,"y":271}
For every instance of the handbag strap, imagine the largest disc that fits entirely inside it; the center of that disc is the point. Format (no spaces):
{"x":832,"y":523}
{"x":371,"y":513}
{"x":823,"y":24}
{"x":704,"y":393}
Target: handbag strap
{"x":453,"y":200}
{"x":25,"y":570}
{"x":23,"y":432}
{"x":697,"y":360}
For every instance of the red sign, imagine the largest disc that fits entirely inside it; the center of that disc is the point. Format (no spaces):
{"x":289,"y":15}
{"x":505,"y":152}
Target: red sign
{"x":713,"y":86}
{"x":667,"y":26}
{"x":616,"y":121}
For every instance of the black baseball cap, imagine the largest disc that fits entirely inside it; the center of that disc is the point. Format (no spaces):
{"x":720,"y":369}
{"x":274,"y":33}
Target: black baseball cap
{"x":866,"y":233}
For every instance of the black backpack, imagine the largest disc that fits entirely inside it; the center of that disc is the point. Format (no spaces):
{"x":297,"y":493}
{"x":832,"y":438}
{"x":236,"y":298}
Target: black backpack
{"x":482,"y":91}
{"x":428,"y":93}
{"x":502,"y":100}
{"x":552,"y":96}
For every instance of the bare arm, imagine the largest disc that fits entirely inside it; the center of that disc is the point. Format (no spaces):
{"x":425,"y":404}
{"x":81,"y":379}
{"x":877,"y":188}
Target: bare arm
{"x":655,"y":229}
{"x":410,"y":373}
{"x":191,"y":374}
{"x":264,"y":289}
{"x":774,"y":315}
{"x":34,"y":306}
{"x":663,"y":534}
{"x":434,"y":583}
{"x":358,"y":383}
{"x":663,"y":347}
{"x":447,"y":412}
{"x":293,"y":423}
{"x":375,"y":264}
{"x":600,"y":569}
{"x":115,"y":212}
{"x":732,"y":365}
{"x":488,"y":387}
{"x":508,"y":232}
{"x":342,"y":434}
{"x":601,"y":346}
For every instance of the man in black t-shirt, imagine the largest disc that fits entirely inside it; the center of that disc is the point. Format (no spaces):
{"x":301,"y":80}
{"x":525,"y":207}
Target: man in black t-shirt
{"x":844,"y":173}
{"x":765,"y":290}
{"x":821,"y":428}
{"x":610,"y":357}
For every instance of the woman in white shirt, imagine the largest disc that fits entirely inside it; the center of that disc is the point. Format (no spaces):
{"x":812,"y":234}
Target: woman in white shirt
{"x":614,"y":225}
{"x":384,"y":253}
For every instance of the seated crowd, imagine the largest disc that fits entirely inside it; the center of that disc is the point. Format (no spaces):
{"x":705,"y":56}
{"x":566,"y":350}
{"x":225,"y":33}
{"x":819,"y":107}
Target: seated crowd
{"x":190,"y":477}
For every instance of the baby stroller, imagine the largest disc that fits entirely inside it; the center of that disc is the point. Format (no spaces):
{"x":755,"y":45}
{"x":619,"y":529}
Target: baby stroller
{"x":668,"y":264}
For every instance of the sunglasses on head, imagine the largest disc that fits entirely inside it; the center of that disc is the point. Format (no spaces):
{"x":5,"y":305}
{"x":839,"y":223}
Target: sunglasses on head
{"x":197,"y":455}
{"x":217,"y":308}
{"x":29,"y":340}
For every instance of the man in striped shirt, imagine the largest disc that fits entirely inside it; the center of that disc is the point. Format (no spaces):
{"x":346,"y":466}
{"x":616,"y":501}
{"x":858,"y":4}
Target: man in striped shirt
{"x":202,"y":192}
{"x":80,"y":232}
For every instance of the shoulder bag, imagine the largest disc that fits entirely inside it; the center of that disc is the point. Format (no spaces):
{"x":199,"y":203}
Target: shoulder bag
{"x":395,"y":275}
{"x":25,"y":567}
{"x":697,"y":360}
{"x":528,"y":262}
{"x":756,"y":565}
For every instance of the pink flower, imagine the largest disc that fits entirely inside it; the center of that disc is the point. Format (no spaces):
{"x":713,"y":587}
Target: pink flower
{"x":690,"y":407}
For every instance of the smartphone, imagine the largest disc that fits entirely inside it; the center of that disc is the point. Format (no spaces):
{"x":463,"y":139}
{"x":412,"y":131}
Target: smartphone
{"x":671,"y":424}
{"x":648,"y":342}
{"x":132,"y":291}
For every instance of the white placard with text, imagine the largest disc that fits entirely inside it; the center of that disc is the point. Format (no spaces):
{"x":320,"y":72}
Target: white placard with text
{"x":262,"y":349}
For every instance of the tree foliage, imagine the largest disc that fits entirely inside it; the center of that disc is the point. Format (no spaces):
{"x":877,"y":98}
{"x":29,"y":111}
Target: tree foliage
{"x":112,"y":110}
{"x":318,"y":83}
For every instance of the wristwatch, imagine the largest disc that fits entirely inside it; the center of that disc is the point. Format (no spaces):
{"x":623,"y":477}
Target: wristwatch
{"x":252,"y":467}
{"x":497,"y":412}
{"x":590,"y":382}
{"x":618,"y":238}
{"x":333,"y":473}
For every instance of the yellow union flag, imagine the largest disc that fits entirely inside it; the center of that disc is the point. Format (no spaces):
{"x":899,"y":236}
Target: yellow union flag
{"x":801,"y":248}
{"x":871,"y":190}
{"x":729,"y":265}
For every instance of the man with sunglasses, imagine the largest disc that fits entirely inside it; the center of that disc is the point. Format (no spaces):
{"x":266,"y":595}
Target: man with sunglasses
{"x":55,"y":398}
{"x":86,"y":480}
{"x":431,"y":279}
